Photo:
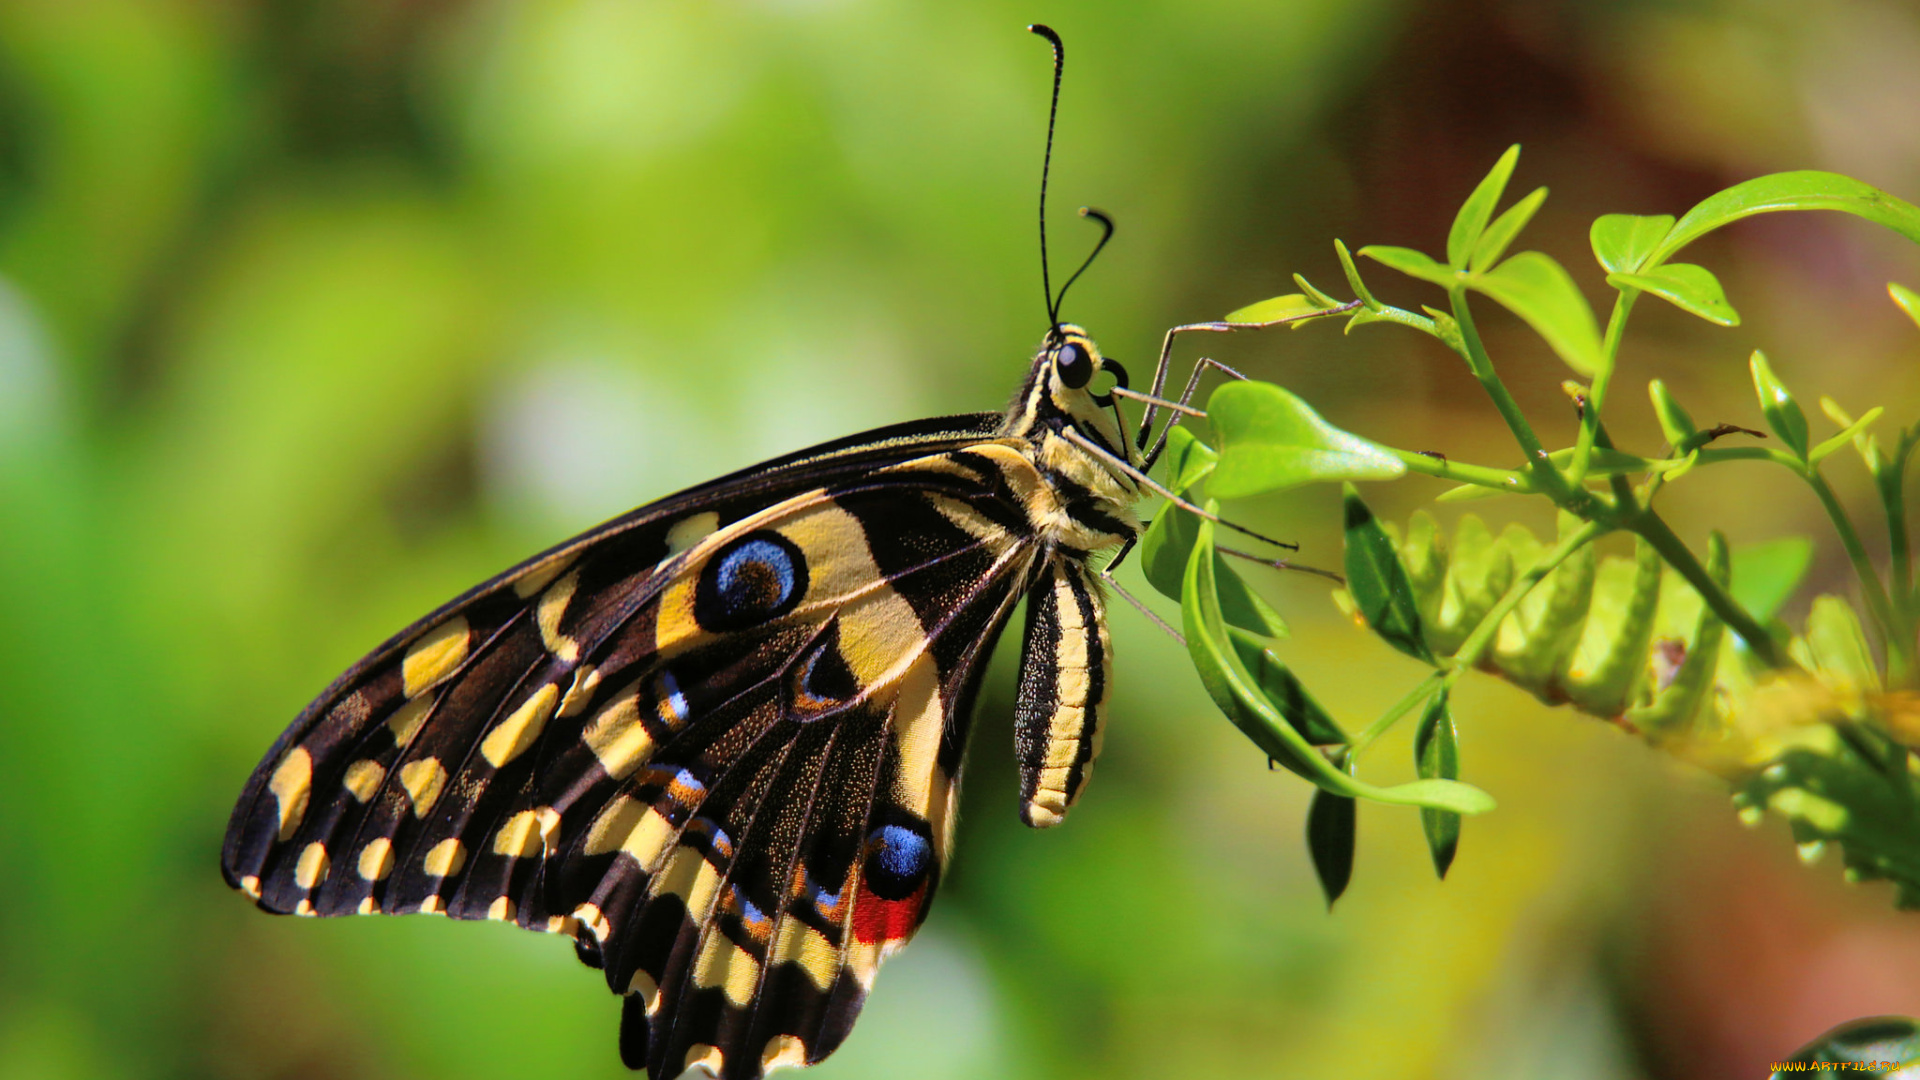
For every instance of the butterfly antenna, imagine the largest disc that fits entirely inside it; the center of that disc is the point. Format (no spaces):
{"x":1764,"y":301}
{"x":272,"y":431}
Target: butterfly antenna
{"x":1046,"y":164}
{"x":1106,"y":223}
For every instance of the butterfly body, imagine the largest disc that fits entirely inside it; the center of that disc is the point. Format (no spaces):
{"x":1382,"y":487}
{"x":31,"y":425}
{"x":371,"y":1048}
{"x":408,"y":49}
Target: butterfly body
{"x":717,"y":740}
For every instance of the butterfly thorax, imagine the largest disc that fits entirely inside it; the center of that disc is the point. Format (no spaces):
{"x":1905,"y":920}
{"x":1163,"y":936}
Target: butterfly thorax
{"x":1087,"y":499}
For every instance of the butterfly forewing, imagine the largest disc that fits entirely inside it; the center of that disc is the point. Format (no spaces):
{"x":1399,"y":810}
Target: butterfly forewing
{"x":716,"y":741}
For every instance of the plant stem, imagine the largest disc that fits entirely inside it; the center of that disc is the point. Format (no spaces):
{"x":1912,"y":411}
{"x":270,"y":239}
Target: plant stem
{"x":1420,"y":693}
{"x":1503,"y":480}
{"x":1872,"y":590}
{"x":1546,"y":478}
{"x":1597,"y":393}
{"x":1651,"y":527}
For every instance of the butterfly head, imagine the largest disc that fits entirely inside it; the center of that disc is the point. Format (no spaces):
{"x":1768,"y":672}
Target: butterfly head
{"x":1070,"y":385}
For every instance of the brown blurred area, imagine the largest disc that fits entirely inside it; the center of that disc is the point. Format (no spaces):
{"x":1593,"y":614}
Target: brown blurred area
{"x":313,"y":313}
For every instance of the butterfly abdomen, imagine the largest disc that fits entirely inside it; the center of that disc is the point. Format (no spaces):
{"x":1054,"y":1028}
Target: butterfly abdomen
{"x":1065,"y":665}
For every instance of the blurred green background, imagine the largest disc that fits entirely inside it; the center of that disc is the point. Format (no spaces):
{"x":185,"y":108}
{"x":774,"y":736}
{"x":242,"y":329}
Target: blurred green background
{"x":314,"y":312}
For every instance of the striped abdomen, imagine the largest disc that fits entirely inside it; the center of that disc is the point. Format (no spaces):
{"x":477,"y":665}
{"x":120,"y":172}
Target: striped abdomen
{"x":1065,"y":662}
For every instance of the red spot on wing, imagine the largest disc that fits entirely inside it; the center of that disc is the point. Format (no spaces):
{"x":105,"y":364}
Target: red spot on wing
{"x":875,"y":919}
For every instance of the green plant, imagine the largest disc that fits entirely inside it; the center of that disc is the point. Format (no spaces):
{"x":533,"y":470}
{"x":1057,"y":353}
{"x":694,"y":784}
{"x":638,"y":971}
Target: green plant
{"x":1809,"y":724}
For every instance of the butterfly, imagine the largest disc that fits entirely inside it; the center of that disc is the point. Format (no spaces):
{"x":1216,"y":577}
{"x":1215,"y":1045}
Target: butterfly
{"x":716,"y":740}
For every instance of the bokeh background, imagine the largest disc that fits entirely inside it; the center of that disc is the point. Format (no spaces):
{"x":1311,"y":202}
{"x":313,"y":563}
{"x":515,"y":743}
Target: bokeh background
{"x":313,"y":312}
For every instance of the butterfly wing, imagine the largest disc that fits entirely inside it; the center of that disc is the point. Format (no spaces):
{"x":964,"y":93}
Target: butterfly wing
{"x":714,"y":740}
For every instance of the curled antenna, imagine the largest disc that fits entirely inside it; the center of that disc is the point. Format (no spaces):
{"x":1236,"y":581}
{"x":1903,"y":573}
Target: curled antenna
{"x":1106,"y":224}
{"x":1046,"y":163}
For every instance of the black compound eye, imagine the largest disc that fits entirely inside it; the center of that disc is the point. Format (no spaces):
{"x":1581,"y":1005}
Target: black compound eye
{"x":754,"y":579}
{"x":1074,"y":366}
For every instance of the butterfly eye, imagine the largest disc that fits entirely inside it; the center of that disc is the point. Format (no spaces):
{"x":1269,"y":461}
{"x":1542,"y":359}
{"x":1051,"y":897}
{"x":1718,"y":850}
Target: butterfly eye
{"x":1074,"y":366}
{"x":756,"y":578}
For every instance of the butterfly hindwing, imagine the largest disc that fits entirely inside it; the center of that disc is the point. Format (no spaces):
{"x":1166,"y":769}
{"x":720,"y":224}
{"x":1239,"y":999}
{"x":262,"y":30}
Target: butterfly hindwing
{"x":716,"y":741}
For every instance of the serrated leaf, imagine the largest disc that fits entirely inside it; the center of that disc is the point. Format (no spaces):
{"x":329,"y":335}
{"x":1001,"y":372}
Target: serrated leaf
{"x":1165,"y":548}
{"x":1290,"y":306}
{"x":1765,"y":574}
{"x":1782,"y":412}
{"x":1471,"y":221}
{"x":1270,"y":440}
{"x":1692,"y":289}
{"x":1412,"y":263}
{"x":1332,"y":825}
{"x":1378,"y":583}
{"x":1675,"y":424}
{"x":1494,"y":242}
{"x":1805,"y":190}
{"x":1907,"y":299}
{"x":1542,"y":293}
{"x":1622,"y":242}
{"x":1188,"y":459}
{"x":1436,"y":754}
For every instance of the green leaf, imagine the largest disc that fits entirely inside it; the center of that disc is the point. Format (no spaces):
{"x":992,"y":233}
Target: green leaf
{"x":1315,"y":295}
{"x":1188,"y":459}
{"x":1692,"y":289}
{"x":1838,"y":645}
{"x":1332,"y":825}
{"x":1378,"y":583}
{"x":1783,"y":413}
{"x":1284,"y":689}
{"x":1622,"y":242}
{"x":1907,"y":299}
{"x":1436,"y":753}
{"x":1883,"y":1043}
{"x":1847,"y":434}
{"x":1270,"y":439}
{"x":1765,"y":574}
{"x":1471,"y":221}
{"x":1493,"y":243}
{"x":1675,"y":424}
{"x":1164,"y":550}
{"x":1238,"y":695}
{"x":1290,"y":306}
{"x":1808,"y":190}
{"x":1541,"y":292}
{"x":1354,"y":282}
{"x":1412,"y":263}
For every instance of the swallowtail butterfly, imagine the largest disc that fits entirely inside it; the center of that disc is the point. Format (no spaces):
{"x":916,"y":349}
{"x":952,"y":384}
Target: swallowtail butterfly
{"x":716,"y":740}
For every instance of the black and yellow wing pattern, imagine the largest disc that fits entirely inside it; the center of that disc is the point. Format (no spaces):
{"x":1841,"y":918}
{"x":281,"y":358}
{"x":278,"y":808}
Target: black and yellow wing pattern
{"x":716,"y":741}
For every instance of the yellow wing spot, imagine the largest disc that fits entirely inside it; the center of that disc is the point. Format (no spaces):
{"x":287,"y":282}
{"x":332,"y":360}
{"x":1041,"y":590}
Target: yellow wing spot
{"x":783,"y":1052}
{"x":423,"y":780}
{"x":628,"y":825}
{"x":561,"y":924}
{"x":596,"y":923}
{"x":691,"y":877}
{"x":617,"y":736}
{"x":518,"y":731}
{"x":690,"y":530}
{"x":367,"y":906}
{"x":292,"y":786}
{"x":406,"y":720}
{"x":305,"y":907}
{"x":376,"y":859}
{"x":250,"y":885}
{"x":519,"y":837}
{"x":549,"y":821}
{"x":445,"y":858}
{"x":702,"y":1056}
{"x":363,"y":779}
{"x":918,"y":719}
{"x":552,"y":609}
{"x":801,"y":944}
{"x":541,"y":576}
{"x":649,"y":991}
{"x":433,"y":905}
{"x":728,"y":966}
{"x":585,"y":682}
{"x":312,"y":867}
{"x":435,"y":656}
{"x":501,"y":910}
